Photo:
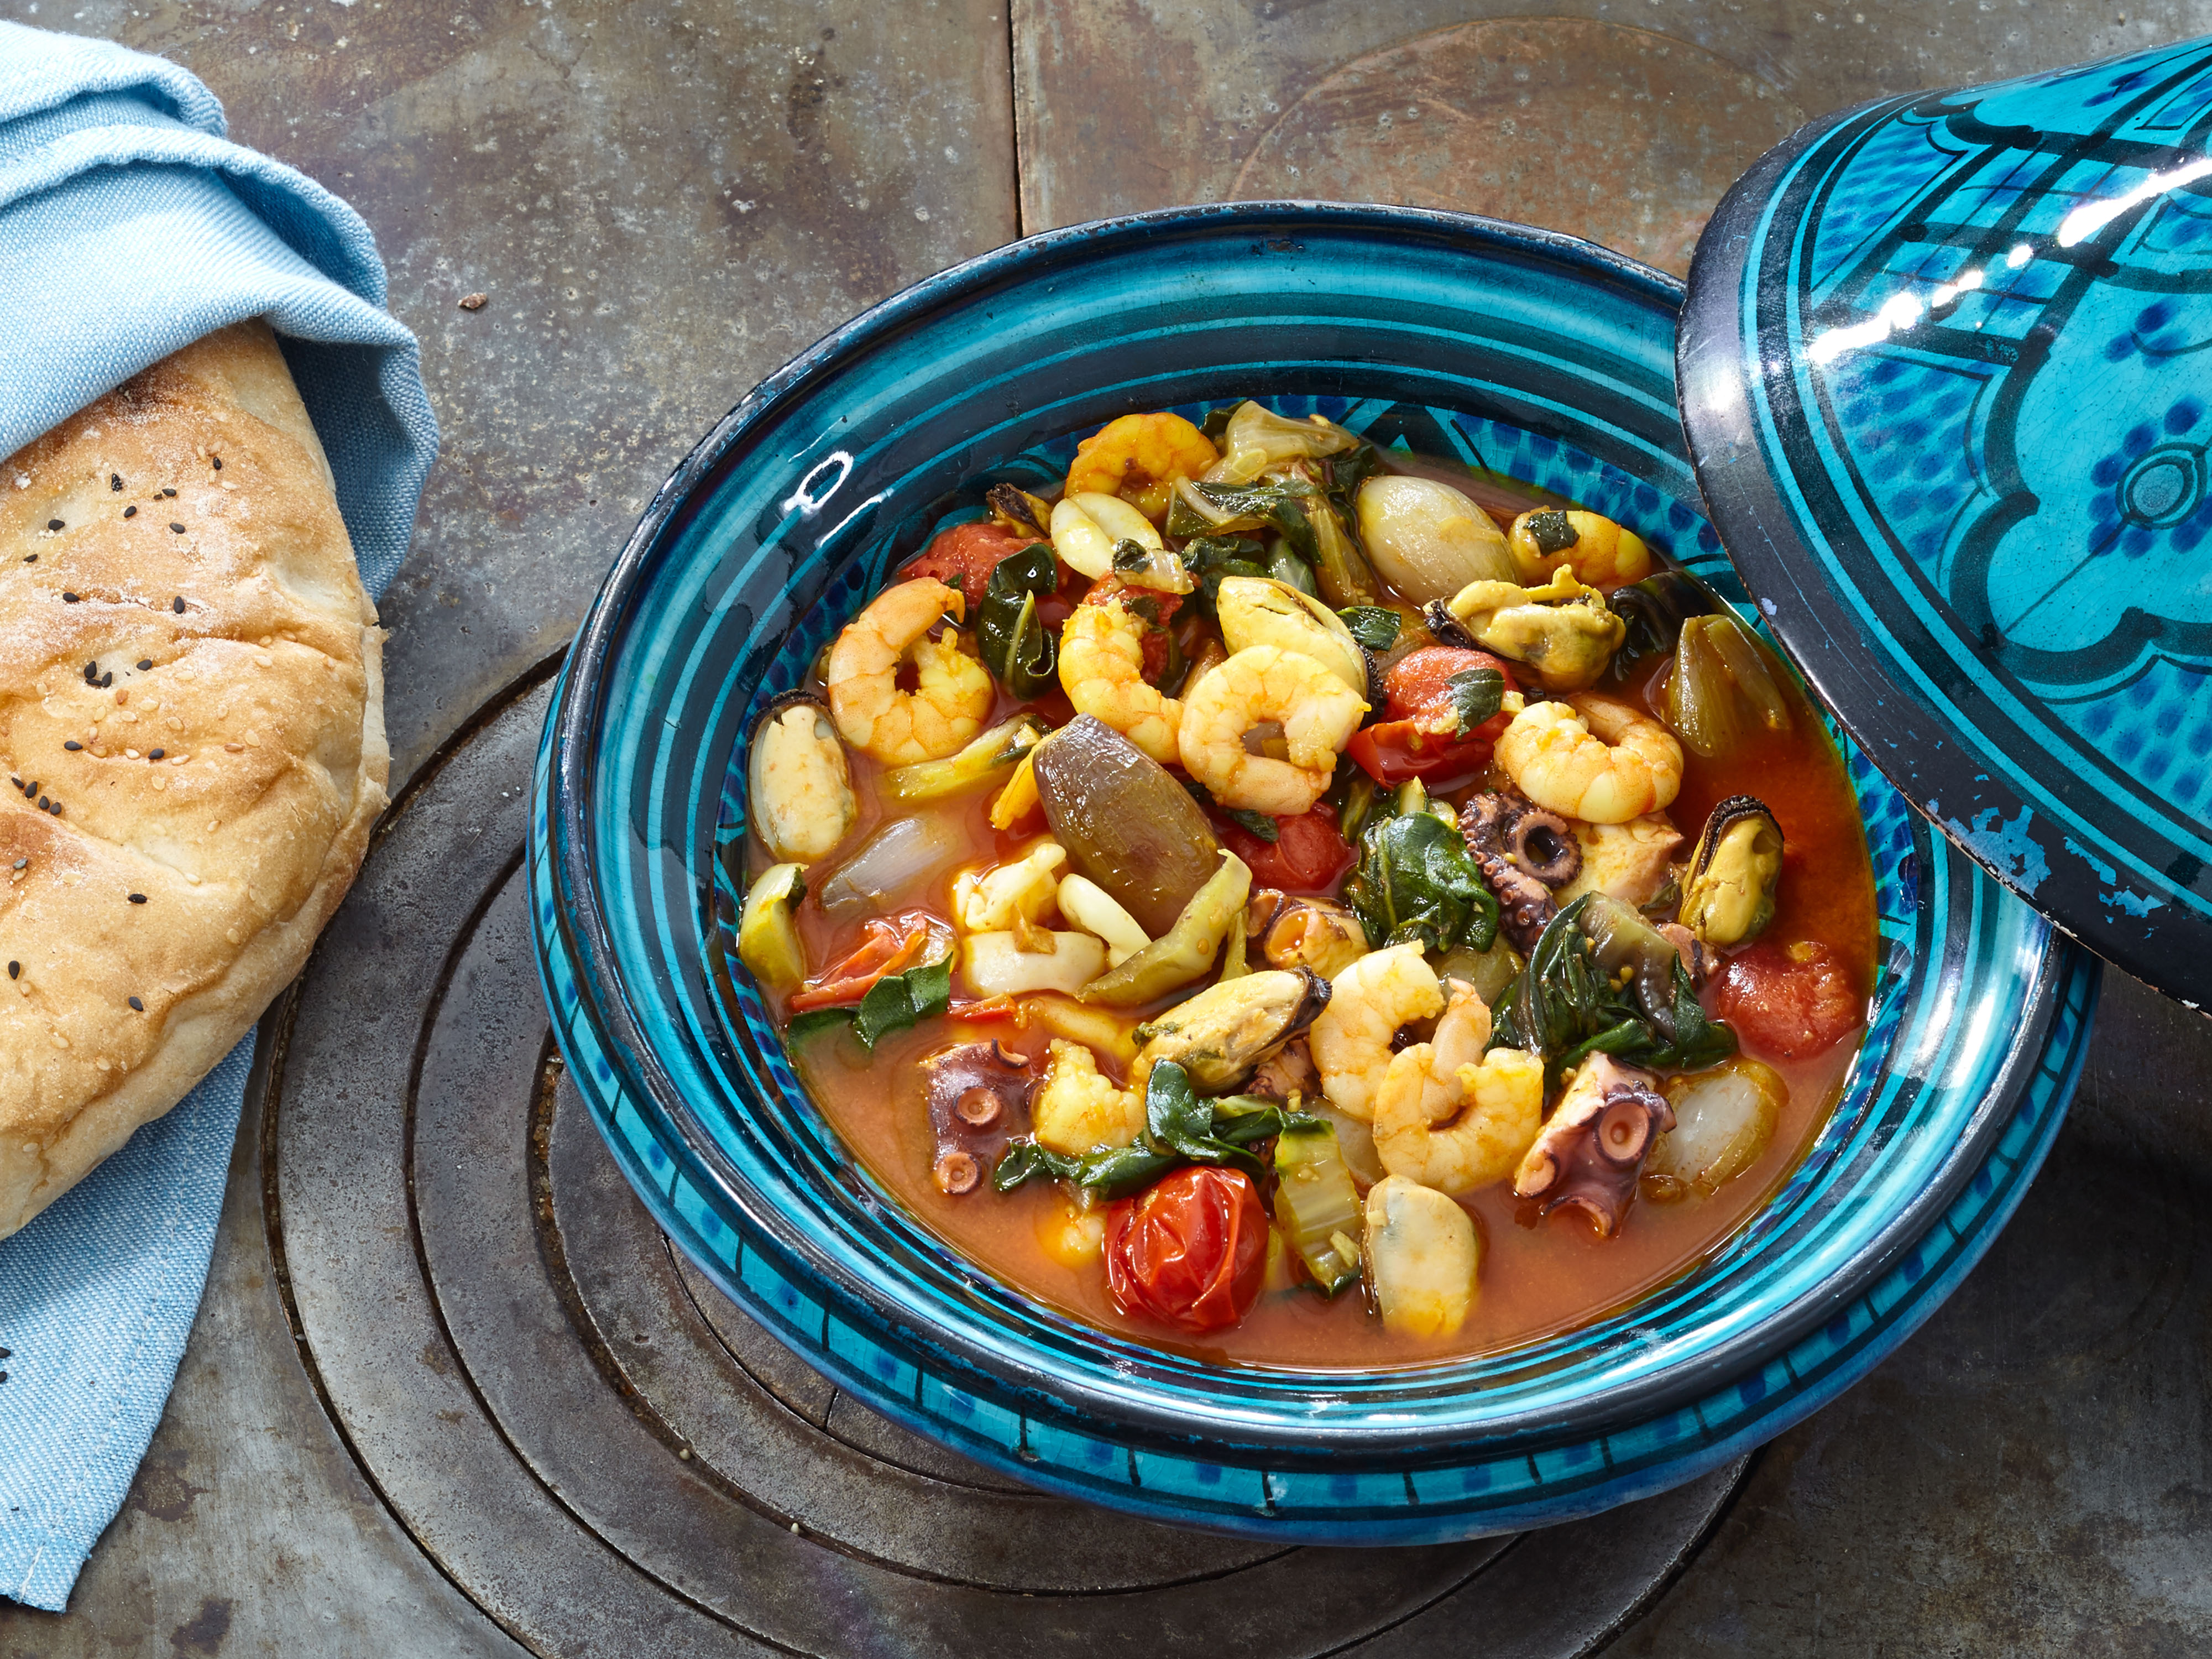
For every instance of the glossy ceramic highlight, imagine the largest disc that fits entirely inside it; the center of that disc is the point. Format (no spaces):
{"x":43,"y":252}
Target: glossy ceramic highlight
{"x":1944,"y":379}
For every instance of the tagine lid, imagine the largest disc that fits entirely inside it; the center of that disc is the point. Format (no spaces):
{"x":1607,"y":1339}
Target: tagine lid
{"x":1946,"y":371}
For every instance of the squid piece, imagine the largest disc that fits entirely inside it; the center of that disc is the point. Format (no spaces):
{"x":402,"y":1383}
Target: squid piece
{"x":979,"y":1099}
{"x":1591,"y":1151}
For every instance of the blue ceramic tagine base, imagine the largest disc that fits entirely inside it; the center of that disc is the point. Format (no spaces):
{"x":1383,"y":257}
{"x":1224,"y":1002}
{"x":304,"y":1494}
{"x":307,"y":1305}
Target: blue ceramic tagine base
{"x":1549,"y":359}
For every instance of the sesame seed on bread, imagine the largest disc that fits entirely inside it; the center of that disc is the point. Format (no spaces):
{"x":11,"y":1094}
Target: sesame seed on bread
{"x":191,"y":737}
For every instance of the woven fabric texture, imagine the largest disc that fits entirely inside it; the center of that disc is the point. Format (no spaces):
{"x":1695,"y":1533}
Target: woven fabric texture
{"x":130,"y":227}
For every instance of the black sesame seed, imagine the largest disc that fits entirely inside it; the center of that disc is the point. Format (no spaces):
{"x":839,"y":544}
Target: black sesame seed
{"x":32,"y":787}
{"x":136,"y":1005}
{"x":72,"y":746}
{"x":14,"y":970}
{"x":130,"y":511}
{"x":115,"y":481}
{"x":176,"y":527}
{"x":68,"y":598}
{"x":56,"y":524}
{"x":44,"y":805}
{"x":137,"y":898}
{"x":4,"y":1377}
{"x":20,"y":863}
{"x":30,"y":558}
{"x":107,"y":679}
{"x":145,"y":665}
{"x":218,"y":463}
{"x":56,"y":809}
{"x":156,"y":754}
{"x":177,"y":604}
{"x":168,"y":492}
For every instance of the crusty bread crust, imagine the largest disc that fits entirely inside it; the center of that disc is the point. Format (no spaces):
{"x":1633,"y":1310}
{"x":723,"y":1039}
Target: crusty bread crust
{"x":173,"y":837}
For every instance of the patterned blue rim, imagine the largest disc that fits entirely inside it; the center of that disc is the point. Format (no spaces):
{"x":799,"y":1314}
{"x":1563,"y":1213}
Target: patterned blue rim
{"x":811,"y":1248}
{"x":1915,"y":599}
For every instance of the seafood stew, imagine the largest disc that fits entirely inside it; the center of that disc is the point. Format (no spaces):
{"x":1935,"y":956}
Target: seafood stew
{"x":1304,"y":905}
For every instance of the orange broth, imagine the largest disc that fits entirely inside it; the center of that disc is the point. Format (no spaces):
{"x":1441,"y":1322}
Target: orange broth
{"x":1538,"y":1276}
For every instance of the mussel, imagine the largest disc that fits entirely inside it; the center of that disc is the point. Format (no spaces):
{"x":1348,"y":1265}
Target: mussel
{"x":1728,"y":891}
{"x":1563,"y":630}
{"x":1548,"y":538}
{"x":1293,"y":932}
{"x":1221,"y":1034}
{"x":1423,"y":1258}
{"x":802,"y":790}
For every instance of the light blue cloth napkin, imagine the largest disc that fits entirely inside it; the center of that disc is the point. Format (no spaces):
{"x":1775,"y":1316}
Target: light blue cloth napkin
{"x":129,"y":228}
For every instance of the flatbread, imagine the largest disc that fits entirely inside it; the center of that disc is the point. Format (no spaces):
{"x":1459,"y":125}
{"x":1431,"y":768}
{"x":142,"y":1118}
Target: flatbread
{"x":191,"y":743}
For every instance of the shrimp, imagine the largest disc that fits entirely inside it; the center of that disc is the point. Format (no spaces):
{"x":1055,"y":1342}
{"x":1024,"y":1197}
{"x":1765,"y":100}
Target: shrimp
{"x":1102,"y":669}
{"x":944,"y":710}
{"x":1368,"y":1002}
{"x":1078,"y":1110}
{"x":1598,"y":550}
{"x":1592,"y":758}
{"x":1139,"y":458}
{"x":1318,"y":714}
{"x":1452,"y":1117}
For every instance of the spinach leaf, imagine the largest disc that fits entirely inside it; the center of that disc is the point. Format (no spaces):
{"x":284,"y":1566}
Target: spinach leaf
{"x":1256,"y":823}
{"x":1180,"y":1128}
{"x":1341,"y":474}
{"x":1476,"y":694}
{"x":1603,"y":980}
{"x":1249,"y":506}
{"x":1013,"y":643}
{"x":1375,"y":626}
{"x":1209,"y":558}
{"x":896,"y":1002}
{"x":1416,"y":880}
{"x":1551,"y":531}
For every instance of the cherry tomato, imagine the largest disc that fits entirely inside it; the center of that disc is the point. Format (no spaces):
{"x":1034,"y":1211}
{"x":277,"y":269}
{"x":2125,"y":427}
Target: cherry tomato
{"x":965,"y":556}
{"x":1419,"y":686}
{"x":1306,"y":855}
{"x":1789,"y":1000}
{"x":1394,"y":751}
{"x":1191,"y":1252}
{"x":1157,"y":637}
{"x":1420,"y":738}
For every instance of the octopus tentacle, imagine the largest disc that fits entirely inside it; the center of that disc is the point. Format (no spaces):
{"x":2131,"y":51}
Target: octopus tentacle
{"x":1591,"y":1152}
{"x":1522,"y":852}
{"x":979,"y":1100}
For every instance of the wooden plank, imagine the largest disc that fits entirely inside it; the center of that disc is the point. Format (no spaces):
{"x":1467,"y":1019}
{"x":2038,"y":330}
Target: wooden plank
{"x":662,"y":203}
{"x":1580,"y":123}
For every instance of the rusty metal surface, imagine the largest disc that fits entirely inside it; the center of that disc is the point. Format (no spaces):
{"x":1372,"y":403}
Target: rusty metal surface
{"x":2032,"y":1474}
{"x":472,"y":1443}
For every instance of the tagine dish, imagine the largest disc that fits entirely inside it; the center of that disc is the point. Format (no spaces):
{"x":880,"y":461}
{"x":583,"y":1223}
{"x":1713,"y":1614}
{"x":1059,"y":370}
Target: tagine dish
{"x":1308,"y":905}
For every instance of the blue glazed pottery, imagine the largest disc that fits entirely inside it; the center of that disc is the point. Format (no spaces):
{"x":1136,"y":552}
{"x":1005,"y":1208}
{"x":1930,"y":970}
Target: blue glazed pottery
{"x":1538,"y":354}
{"x":1944,"y":378}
